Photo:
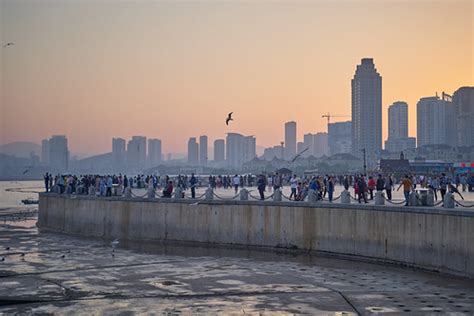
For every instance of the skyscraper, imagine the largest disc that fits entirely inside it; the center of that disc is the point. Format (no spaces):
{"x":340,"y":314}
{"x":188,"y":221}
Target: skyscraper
{"x":118,"y":151}
{"x":436,"y":121}
{"x":203,"y":150}
{"x":340,"y":137}
{"x":45,"y":151}
{"x":320,"y":145}
{"x":219,"y":150}
{"x":136,"y":151}
{"x":58,"y":153}
{"x":239,"y":149}
{"x":193,"y":151}
{"x":398,"y":139}
{"x":154,"y":152}
{"x":367,"y":111}
{"x":463,"y":100}
{"x":290,"y":140}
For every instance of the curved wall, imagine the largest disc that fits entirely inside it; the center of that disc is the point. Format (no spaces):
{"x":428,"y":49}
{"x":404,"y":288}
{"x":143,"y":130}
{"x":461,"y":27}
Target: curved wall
{"x":430,"y":238}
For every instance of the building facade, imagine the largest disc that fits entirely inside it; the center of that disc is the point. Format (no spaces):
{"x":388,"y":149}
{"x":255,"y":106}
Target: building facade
{"x":136,"y":151}
{"x":240,"y":149}
{"x":58,"y":153}
{"x":203,"y":150}
{"x":463,"y":101}
{"x":219,"y":150}
{"x":340,"y":138}
{"x":118,"y":151}
{"x":436,"y":122}
{"x":154,"y":152}
{"x":367,"y":111}
{"x":193,"y":151}
{"x":398,"y":139}
{"x":290,"y":140}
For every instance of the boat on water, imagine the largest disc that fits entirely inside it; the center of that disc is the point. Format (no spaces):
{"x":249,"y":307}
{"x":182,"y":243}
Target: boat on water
{"x":29,"y":201}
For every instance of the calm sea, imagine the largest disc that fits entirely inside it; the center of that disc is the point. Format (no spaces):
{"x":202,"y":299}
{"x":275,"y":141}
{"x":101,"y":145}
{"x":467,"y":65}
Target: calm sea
{"x":12,"y":192}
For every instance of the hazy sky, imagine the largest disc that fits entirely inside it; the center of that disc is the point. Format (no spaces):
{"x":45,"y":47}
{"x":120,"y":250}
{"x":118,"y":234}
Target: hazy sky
{"x":94,"y":70}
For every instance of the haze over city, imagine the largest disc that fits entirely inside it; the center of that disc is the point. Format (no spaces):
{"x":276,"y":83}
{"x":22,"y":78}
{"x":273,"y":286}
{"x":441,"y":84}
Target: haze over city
{"x":171,"y":70}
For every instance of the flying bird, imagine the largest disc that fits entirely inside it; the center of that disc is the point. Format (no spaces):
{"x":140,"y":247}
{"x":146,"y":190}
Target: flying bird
{"x":26,"y":171}
{"x":9,"y":44}
{"x":2,"y":259}
{"x":302,"y":152}
{"x":7,"y":248}
{"x":22,"y":254}
{"x":229,"y":118}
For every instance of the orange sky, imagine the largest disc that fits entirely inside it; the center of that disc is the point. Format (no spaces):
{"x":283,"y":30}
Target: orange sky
{"x":94,"y":70}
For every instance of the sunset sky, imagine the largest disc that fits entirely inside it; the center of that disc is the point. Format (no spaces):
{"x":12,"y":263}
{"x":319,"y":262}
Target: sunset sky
{"x":94,"y":70}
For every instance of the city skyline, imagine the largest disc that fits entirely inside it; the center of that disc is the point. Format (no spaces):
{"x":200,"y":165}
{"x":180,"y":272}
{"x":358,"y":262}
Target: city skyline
{"x":135,"y":75}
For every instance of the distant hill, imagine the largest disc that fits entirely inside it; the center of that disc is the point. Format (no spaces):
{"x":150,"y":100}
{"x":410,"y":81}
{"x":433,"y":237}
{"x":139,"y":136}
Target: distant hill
{"x":20,"y":149}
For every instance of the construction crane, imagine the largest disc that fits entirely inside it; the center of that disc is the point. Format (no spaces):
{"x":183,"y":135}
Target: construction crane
{"x":328,"y":116}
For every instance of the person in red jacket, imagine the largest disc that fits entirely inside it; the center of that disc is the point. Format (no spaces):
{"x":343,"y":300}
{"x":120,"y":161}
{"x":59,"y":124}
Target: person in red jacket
{"x":371,"y":186}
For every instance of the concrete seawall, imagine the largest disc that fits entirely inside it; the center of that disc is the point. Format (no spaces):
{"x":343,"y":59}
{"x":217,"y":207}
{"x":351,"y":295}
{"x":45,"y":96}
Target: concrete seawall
{"x":429,"y":238}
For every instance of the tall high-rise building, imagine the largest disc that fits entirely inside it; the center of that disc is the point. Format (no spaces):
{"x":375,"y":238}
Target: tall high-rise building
{"x":58,"y":153}
{"x":203,"y":150}
{"x":239,"y":149}
{"x":154,"y":152}
{"x":118,"y":151}
{"x":463,"y":101}
{"x":340,"y":137}
{"x":45,"y":151}
{"x":398,"y":120}
{"x":136,"y":151}
{"x":193,"y":151}
{"x":367,"y":111}
{"x":219,"y":150}
{"x":308,"y":142}
{"x":290,"y":140}
{"x":436,"y":122}
{"x":398,"y":139}
{"x":320,"y":145}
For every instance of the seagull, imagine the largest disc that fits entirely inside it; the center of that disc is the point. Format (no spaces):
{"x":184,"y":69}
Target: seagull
{"x":7,"y":248}
{"x":22,"y":254}
{"x":302,"y":152}
{"x":229,"y":118}
{"x":63,"y":256}
{"x":26,"y":171}
{"x":9,"y":44}
{"x":3,"y":259}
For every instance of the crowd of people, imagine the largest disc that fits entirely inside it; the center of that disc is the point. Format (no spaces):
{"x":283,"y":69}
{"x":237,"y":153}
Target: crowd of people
{"x":324,"y":186}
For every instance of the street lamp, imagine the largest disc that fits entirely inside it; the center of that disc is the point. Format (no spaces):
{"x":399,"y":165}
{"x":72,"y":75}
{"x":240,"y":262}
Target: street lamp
{"x":365,"y":162}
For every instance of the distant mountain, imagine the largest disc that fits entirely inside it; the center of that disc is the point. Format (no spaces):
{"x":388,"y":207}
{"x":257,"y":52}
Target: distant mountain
{"x":20,"y":149}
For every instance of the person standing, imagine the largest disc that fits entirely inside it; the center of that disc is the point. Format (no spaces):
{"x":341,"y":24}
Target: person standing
{"x":236,"y":183}
{"x":443,"y":185}
{"x":192,"y":184}
{"x":330,"y":185}
{"x":276,"y":181}
{"x":380,"y":186}
{"x":407,"y":187}
{"x":261,"y":186}
{"x":46,"y":182}
{"x":371,"y":186}
{"x":389,"y":187}
{"x":361,"y":188}
{"x":293,"y":186}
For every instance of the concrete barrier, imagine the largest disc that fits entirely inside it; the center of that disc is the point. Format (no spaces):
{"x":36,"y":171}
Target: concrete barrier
{"x":430,"y":238}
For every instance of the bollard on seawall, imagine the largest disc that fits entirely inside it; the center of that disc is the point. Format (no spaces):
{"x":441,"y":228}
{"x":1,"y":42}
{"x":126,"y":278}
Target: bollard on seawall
{"x":127,"y":192}
{"x":91,"y":190}
{"x":209,"y":194}
{"x":178,"y":193}
{"x":277,"y":195}
{"x":379,"y":198}
{"x":448,"y":201}
{"x":413,"y":199}
{"x":312,"y":196}
{"x":151,"y":192}
{"x":345,"y":197}
{"x":244,"y":195}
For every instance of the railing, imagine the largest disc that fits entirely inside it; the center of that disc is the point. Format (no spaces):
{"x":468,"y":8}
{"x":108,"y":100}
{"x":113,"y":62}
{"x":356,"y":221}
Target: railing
{"x":311,"y":197}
